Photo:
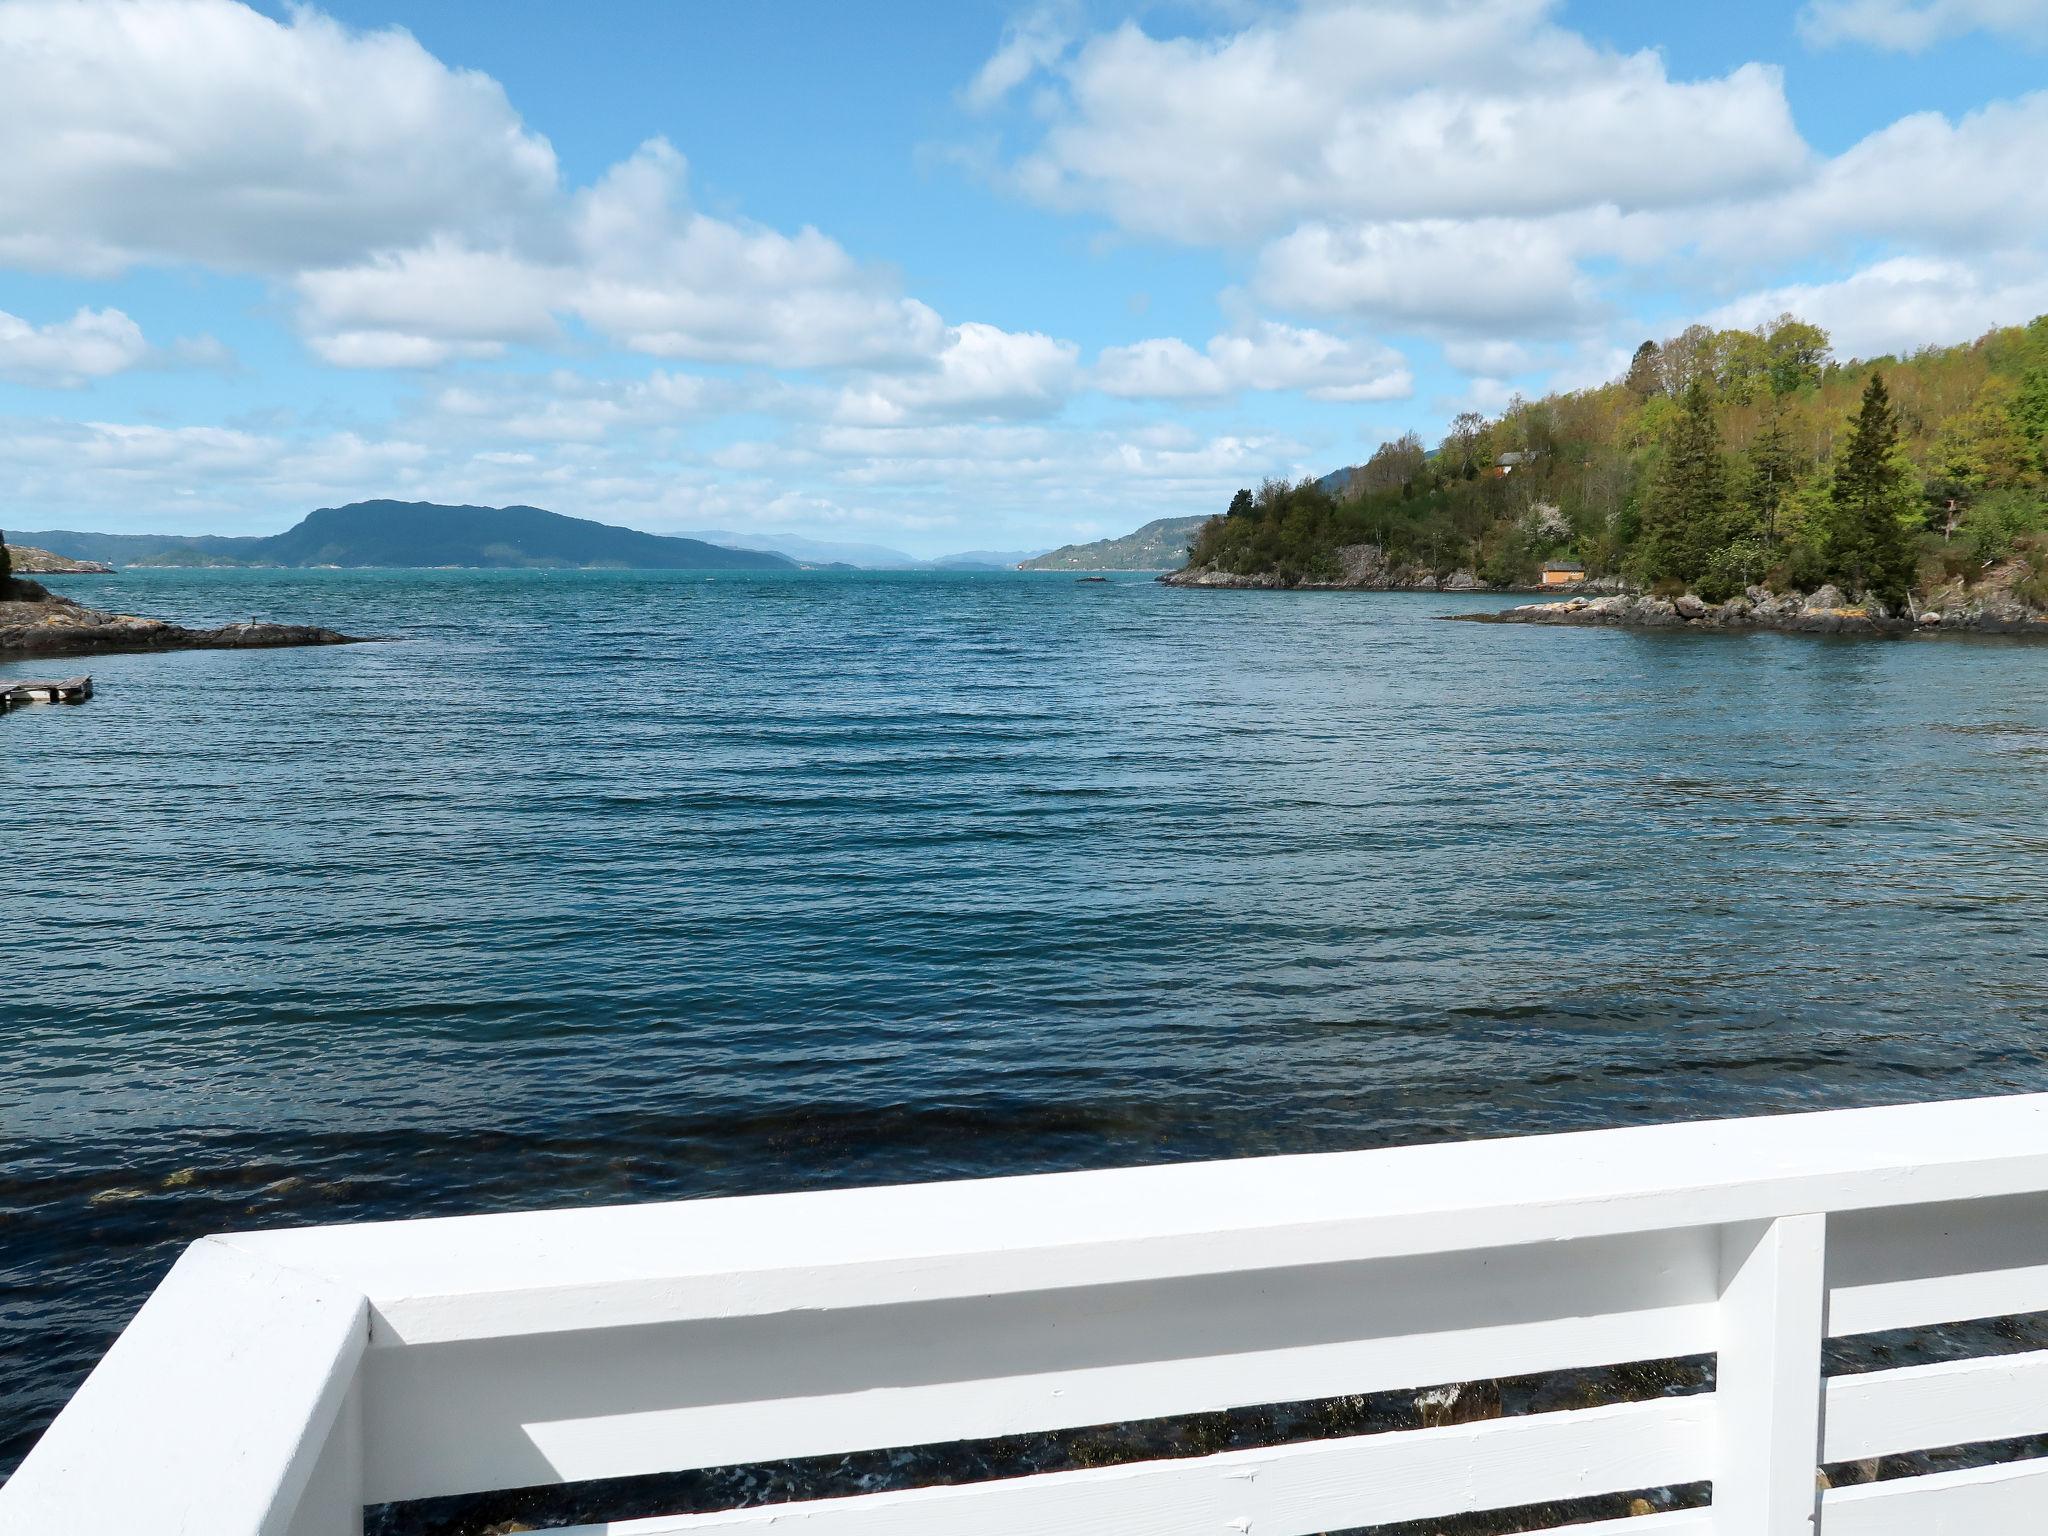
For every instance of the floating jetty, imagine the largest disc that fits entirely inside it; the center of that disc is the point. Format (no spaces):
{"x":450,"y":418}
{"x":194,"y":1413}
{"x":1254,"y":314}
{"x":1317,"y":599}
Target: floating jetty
{"x":72,"y":690}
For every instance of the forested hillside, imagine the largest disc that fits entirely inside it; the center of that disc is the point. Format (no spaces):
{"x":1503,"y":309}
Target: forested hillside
{"x":1720,"y":459}
{"x":1161,"y":545}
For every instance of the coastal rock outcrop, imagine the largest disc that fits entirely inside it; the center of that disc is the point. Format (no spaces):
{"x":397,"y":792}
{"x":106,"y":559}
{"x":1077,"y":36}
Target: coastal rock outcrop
{"x":1827,"y":611}
{"x":34,"y":623}
{"x":1360,"y":568}
{"x":1365,"y":568}
{"x":30,"y":561}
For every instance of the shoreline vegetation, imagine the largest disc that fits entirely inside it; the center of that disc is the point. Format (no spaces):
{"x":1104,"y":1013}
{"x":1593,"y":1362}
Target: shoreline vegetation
{"x":1729,"y":479}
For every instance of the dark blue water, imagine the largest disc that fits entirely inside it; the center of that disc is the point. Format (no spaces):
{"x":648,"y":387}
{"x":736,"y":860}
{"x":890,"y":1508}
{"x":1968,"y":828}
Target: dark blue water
{"x":607,"y":887}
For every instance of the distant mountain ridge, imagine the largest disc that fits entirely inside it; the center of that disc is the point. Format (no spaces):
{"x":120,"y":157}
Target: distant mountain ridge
{"x":868,"y":557}
{"x":871,"y":557}
{"x":1161,"y":545}
{"x":983,"y":560}
{"x":422,"y":535}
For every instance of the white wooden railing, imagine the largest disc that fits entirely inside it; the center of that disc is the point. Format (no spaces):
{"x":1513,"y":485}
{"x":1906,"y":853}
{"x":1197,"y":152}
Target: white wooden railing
{"x":278,"y":1381}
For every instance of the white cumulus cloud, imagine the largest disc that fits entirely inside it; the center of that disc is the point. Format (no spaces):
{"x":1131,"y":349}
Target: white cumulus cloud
{"x":1900,"y":304}
{"x":639,"y":265}
{"x":203,"y":131}
{"x":981,"y":370}
{"x":1912,"y":26}
{"x":668,"y":280}
{"x":1396,"y":109}
{"x":1518,"y":275}
{"x":1267,"y":356}
{"x":1030,"y":43}
{"x":90,"y":345}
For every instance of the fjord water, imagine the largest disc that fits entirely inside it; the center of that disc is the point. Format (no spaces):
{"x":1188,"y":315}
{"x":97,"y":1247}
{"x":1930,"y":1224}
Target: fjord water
{"x":609,"y":886}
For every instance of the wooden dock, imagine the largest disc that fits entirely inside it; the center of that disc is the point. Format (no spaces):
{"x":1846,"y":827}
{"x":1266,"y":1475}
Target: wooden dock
{"x":72,"y":690}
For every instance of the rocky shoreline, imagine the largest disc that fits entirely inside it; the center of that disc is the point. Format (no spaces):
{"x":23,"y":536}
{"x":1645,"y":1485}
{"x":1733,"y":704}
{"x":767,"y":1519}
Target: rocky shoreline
{"x":35,"y":623}
{"x":1825,"y":612}
{"x":1988,"y":607}
{"x":30,"y":561}
{"x":1360,"y":568}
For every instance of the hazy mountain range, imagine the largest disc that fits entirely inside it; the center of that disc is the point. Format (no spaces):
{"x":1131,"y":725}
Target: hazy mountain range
{"x":419,"y":534}
{"x":425,"y":534}
{"x":869,"y":557}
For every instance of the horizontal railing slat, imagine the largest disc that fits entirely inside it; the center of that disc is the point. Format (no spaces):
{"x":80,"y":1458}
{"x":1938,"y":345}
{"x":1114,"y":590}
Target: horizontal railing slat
{"x":491,"y":1276}
{"x":1290,"y":1490}
{"x":462,"y":1418}
{"x":2007,"y":1500}
{"x":1926,"y":1407}
{"x":1943,"y":1263}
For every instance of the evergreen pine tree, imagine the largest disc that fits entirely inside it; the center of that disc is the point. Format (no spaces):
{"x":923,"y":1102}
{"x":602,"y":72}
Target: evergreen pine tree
{"x":1686,"y":517}
{"x":1868,"y":551}
{"x":6,"y":566}
{"x":1771,"y":470}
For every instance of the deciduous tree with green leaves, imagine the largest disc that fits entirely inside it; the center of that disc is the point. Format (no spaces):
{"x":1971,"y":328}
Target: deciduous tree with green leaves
{"x":1645,"y":377}
{"x":1796,"y":351}
{"x":2030,"y":414}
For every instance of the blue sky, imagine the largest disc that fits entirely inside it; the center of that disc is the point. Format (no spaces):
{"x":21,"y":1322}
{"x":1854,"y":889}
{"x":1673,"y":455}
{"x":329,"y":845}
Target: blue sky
{"x":943,"y":276}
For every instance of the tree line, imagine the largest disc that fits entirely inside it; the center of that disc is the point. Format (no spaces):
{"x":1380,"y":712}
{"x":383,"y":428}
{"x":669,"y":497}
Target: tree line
{"x":1719,"y":459}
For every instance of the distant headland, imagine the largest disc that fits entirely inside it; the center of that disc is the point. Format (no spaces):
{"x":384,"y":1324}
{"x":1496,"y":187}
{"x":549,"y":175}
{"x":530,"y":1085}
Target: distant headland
{"x":1161,"y":545}
{"x":27,"y":560}
{"x":1729,"y":479}
{"x":36,"y":622}
{"x":418,"y":535}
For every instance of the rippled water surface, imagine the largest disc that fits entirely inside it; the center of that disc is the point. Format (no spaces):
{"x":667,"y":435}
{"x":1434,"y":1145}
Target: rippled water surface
{"x":607,"y":887}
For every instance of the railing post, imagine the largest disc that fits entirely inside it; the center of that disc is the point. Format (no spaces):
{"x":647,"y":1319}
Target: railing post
{"x":332,"y":1502}
{"x":1769,"y":1387}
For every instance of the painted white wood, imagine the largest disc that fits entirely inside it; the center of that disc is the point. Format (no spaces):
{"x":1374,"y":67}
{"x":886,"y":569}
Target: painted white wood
{"x":2010,"y":1500}
{"x":332,"y":1502}
{"x":489,"y":1276}
{"x":1925,"y":1407}
{"x":1284,"y":1491}
{"x":507,"y":1413}
{"x":278,"y":1379}
{"x":805,"y":1518}
{"x":1768,"y":1386}
{"x":1944,"y":1263}
{"x":208,"y":1415}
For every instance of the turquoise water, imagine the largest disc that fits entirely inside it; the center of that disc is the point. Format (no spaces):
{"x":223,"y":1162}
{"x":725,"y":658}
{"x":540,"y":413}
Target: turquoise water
{"x":604,"y":887}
